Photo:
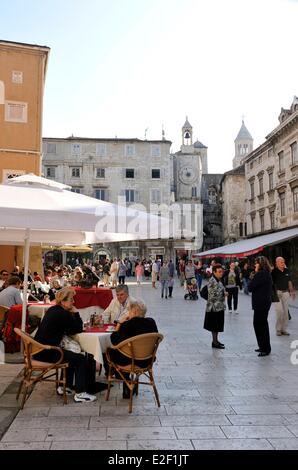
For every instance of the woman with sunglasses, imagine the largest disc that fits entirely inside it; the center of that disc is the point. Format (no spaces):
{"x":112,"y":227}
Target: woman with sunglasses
{"x":261,"y":288}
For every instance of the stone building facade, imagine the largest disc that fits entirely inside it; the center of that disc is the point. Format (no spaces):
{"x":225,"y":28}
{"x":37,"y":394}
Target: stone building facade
{"x":243,"y":145}
{"x":189,"y":163}
{"x":22,"y":79}
{"x":271,"y":174}
{"x":121,"y":171}
{"x":232,"y":190}
{"x":234,"y":226}
{"x":212,"y":211}
{"x":137,"y":171}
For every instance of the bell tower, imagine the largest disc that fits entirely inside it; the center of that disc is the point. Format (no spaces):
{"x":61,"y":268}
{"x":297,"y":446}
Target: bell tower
{"x":243,"y":145}
{"x":187,"y":133}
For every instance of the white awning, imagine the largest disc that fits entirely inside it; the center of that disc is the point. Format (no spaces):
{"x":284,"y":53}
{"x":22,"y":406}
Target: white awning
{"x":249,"y":246}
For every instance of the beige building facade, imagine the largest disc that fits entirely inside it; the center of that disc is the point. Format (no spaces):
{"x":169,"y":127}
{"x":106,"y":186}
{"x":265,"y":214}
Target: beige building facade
{"x":22,"y":77}
{"x":233,"y":205}
{"x":233,"y":190}
{"x":271,"y":174}
{"x":130,"y":171}
{"x":135,"y":171}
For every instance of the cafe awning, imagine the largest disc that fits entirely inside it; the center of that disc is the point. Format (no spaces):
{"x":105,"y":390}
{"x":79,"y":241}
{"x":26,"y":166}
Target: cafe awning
{"x":249,"y":246}
{"x":69,"y":248}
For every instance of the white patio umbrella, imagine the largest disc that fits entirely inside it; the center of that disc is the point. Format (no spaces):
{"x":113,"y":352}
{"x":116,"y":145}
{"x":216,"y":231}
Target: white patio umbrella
{"x":34,"y":210}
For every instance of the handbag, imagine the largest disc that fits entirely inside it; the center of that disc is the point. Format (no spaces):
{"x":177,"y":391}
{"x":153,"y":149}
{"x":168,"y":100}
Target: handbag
{"x":204,"y":292}
{"x":70,"y":344}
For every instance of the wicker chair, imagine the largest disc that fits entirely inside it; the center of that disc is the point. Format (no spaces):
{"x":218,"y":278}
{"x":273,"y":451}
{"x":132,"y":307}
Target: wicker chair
{"x":138,"y":348}
{"x":37,"y":371}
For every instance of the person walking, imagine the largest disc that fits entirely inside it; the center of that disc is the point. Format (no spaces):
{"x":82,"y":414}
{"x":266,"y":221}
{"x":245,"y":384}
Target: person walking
{"x":215,"y":308}
{"x":189,"y":271}
{"x":231,"y":281}
{"x":284,"y":288}
{"x":154,"y":273}
{"x":164,"y":278}
{"x":139,"y":270}
{"x":106,"y":274}
{"x":114,"y":272}
{"x":198,"y":273}
{"x":182,"y":271}
{"x":171,"y":286}
{"x":245,"y":278}
{"x":122,"y":272}
{"x":261,"y":288}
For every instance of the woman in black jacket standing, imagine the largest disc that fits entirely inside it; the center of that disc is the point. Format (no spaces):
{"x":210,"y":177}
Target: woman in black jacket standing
{"x":261,"y":288}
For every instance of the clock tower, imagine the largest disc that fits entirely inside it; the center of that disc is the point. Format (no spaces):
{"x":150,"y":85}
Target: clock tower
{"x":188,"y":165}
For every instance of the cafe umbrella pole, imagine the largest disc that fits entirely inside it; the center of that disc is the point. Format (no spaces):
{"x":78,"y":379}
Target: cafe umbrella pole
{"x":25,"y":284}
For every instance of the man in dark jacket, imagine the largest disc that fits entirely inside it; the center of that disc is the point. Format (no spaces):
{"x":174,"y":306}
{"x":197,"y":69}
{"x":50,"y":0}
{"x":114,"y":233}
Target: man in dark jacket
{"x":261,"y":289}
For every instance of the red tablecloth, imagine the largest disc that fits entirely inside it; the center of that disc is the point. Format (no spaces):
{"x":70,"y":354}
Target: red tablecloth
{"x":13,"y":320}
{"x":100,"y":297}
{"x":100,"y":329}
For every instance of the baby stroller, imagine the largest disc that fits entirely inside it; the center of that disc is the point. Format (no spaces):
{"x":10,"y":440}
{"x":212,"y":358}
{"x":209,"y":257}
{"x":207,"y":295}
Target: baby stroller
{"x":192,"y":290}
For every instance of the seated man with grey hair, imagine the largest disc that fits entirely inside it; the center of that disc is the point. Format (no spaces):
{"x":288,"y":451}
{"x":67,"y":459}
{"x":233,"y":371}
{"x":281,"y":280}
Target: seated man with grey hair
{"x":118,"y":306}
{"x":132,"y":324}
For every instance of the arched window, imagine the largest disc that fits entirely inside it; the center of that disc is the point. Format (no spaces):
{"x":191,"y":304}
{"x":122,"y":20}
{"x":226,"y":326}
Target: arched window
{"x":212,"y":195}
{"x":2,"y":92}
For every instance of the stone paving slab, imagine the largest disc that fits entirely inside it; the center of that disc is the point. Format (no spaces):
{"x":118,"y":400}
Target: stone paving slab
{"x":192,"y":410}
{"x":76,"y":434}
{"x":25,"y":445}
{"x":294,"y":429}
{"x":194,"y":420}
{"x":258,"y":420}
{"x":28,"y":435}
{"x":51,"y":422}
{"x":161,"y":444}
{"x":130,"y":421}
{"x":137,"y":410}
{"x":263,"y":409}
{"x":256,"y":431}
{"x":284,"y":444}
{"x":88,"y":445}
{"x":199,"y":432}
{"x":232,"y":444}
{"x":141,"y":433}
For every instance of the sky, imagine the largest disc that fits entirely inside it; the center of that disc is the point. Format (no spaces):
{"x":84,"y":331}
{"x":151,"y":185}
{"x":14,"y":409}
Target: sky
{"x":119,"y":67}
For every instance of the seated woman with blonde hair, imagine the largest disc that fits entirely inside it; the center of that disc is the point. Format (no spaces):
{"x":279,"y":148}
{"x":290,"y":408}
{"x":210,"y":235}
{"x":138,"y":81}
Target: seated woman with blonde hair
{"x":131,"y":324}
{"x":59,"y":320}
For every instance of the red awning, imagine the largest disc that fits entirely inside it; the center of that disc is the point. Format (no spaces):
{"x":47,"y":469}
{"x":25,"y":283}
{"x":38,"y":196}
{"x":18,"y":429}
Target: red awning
{"x":249,"y":246}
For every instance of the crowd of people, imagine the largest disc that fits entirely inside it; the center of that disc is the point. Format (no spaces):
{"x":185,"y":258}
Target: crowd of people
{"x":267,"y":285}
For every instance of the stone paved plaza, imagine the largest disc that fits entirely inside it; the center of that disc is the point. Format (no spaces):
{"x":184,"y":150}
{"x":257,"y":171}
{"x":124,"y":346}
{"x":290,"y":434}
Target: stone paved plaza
{"x":210,"y":399}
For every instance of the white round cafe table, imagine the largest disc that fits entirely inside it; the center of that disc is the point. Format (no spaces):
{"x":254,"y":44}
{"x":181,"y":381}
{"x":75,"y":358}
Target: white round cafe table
{"x":95,"y":343}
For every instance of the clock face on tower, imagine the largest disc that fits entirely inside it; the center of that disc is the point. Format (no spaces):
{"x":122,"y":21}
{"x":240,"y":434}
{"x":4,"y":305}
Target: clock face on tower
{"x":187,"y":174}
